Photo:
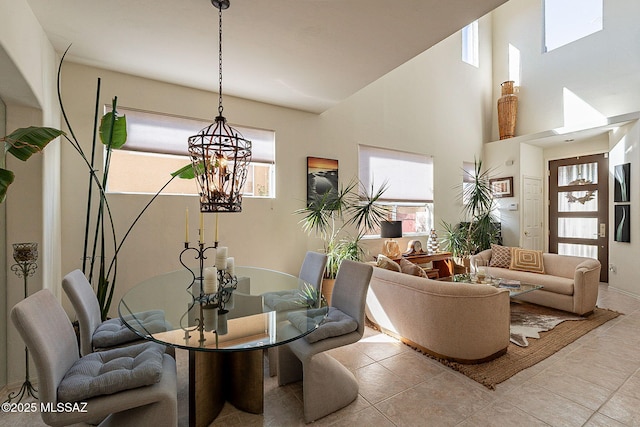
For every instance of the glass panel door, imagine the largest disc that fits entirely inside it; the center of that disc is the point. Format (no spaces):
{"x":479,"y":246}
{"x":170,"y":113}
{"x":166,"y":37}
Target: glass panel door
{"x":578,"y":214}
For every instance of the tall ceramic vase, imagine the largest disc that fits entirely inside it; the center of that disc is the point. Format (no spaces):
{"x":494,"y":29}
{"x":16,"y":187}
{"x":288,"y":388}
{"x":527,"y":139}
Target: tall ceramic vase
{"x":507,"y":111}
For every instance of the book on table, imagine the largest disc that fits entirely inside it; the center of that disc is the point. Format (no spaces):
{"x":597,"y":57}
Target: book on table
{"x":509,"y":283}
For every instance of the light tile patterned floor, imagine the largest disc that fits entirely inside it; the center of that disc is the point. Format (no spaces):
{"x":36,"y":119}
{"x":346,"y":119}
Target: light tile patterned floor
{"x":593,"y":382}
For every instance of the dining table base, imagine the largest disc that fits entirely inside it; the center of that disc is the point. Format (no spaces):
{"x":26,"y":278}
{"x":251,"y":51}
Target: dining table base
{"x":218,"y":377}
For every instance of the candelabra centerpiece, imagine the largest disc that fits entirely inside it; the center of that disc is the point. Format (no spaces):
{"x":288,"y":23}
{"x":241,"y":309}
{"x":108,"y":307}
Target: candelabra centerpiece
{"x":211,"y":286}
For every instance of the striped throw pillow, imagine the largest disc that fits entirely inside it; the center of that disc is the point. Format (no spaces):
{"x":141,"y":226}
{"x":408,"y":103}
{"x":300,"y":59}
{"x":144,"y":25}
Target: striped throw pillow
{"x":527,"y":260}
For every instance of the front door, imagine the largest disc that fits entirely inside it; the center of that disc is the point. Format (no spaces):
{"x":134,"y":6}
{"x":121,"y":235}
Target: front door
{"x":578,"y":211}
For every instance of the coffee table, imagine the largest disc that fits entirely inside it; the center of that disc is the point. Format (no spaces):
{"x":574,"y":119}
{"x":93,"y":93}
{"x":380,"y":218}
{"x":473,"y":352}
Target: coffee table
{"x":515,"y":287}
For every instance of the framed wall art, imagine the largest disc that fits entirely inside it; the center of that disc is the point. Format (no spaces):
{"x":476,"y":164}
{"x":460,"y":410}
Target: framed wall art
{"x":502,"y":187}
{"x":622,"y":183}
{"x":622,"y":223}
{"x":322,"y":178}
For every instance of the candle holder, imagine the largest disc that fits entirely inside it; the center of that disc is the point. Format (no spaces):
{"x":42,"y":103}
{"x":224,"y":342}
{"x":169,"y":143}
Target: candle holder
{"x":25,"y":255}
{"x":227,"y":283}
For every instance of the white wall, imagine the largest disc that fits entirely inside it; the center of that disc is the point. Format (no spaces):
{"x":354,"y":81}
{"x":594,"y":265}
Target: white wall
{"x":625,"y":148}
{"x":27,"y":63}
{"x":600,"y":69}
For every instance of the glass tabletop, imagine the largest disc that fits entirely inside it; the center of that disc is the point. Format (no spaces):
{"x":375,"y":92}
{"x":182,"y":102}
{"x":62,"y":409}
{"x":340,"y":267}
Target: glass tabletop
{"x":515,"y":287}
{"x":244,"y":323}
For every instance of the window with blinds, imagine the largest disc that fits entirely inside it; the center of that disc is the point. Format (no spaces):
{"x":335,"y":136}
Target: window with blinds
{"x":409,"y":181}
{"x":157,"y":146}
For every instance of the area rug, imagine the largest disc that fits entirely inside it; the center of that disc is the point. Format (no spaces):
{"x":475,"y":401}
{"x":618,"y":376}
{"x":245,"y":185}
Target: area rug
{"x":527,"y":321}
{"x":519,"y":358}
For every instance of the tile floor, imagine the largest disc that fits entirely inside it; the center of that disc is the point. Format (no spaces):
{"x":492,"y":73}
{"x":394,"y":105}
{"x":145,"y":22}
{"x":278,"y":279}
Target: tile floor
{"x":593,"y":382}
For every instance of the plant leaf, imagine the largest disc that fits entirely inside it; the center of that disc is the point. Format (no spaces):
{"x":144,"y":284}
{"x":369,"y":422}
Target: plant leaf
{"x":24,"y":142}
{"x":119,"y":136}
{"x":187,"y":171}
{"x":6,"y":178}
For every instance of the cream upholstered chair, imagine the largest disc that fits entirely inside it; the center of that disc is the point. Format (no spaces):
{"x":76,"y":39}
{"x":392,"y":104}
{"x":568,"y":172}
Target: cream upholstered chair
{"x":128,"y":386}
{"x":327,"y":384}
{"x":311,"y":272}
{"x":96,"y":334}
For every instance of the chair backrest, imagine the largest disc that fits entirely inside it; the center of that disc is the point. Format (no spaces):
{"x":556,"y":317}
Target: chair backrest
{"x":48,"y":334}
{"x":350,"y":290}
{"x":85,"y":303}
{"x":312,"y":269}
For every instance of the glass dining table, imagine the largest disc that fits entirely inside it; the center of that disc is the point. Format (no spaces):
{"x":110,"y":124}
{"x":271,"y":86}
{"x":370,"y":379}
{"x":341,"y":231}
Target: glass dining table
{"x":225,"y":345}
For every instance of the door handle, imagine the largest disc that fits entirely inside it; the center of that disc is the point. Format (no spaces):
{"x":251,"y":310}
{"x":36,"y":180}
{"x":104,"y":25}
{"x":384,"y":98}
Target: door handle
{"x":603,"y":230}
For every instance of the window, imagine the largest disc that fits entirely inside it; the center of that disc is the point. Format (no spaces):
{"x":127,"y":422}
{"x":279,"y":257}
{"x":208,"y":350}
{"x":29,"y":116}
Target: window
{"x":409,"y":180}
{"x":470,"y":44}
{"x":157,"y":145}
{"x":566,"y":21}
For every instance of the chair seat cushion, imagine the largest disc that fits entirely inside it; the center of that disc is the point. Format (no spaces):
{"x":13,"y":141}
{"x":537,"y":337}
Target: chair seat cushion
{"x":111,"y":371}
{"x":283,"y":300}
{"x":113,"y":332}
{"x":335,"y":323}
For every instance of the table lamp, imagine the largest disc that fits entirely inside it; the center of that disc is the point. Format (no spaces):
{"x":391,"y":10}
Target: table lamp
{"x":390,"y":230}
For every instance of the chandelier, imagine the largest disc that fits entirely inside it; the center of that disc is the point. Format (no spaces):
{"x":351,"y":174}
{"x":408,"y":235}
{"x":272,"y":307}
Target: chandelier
{"x":219,"y":153}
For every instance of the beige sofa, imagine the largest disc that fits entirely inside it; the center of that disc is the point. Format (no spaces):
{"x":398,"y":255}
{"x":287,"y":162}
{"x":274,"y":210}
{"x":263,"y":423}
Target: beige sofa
{"x":456,"y":321}
{"x":570,"y":282}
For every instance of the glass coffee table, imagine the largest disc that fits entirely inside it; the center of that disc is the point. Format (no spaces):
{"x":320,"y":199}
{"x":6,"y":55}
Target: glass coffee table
{"x":515,"y":287}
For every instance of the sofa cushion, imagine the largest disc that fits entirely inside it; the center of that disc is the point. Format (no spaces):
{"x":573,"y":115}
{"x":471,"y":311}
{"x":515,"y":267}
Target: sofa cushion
{"x":527,"y":260}
{"x":500,"y":256}
{"x":108,"y":372}
{"x":387,"y":263}
{"x":407,"y":267}
{"x":555,"y":284}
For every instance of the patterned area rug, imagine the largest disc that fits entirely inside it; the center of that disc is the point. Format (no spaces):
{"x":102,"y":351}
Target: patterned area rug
{"x":528,"y":323}
{"x":518,"y":358}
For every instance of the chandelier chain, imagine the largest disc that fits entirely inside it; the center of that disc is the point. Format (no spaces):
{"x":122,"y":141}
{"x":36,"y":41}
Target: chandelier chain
{"x":220,"y":108}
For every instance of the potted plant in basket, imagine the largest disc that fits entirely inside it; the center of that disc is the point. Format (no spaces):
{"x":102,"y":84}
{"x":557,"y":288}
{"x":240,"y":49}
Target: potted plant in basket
{"x":479,"y":228}
{"x":331,"y":214}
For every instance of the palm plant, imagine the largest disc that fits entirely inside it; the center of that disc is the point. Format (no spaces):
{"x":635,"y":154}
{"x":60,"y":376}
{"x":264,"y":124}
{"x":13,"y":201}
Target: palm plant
{"x":329,"y":214}
{"x":480,"y":228}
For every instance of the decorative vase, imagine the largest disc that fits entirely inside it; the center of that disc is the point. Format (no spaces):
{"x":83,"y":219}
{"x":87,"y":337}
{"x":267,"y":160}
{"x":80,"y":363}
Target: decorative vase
{"x":507,"y":110}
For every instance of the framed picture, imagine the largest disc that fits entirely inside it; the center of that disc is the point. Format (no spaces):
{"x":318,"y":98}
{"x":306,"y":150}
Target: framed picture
{"x":622,"y":183}
{"x":502,"y":187}
{"x":623,"y":219}
{"x":322,"y":178}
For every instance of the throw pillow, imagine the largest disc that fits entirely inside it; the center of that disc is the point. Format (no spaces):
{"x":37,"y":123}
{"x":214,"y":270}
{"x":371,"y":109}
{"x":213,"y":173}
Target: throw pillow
{"x":408,"y":267}
{"x":527,"y":260}
{"x":387,"y":263}
{"x":500,"y":256}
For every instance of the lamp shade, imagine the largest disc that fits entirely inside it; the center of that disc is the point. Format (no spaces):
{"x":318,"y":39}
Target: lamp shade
{"x":391,"y":229}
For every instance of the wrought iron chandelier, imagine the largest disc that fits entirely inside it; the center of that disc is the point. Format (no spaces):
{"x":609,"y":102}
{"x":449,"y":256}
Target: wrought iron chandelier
{"x":219,"y":153}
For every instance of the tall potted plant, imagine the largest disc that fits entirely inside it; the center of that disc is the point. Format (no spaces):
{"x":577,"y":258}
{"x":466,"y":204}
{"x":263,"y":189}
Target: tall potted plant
{"x":329,"y":217}
{"x":479,"y":227}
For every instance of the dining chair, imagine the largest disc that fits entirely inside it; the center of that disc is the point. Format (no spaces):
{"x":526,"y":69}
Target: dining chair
{"x":327,"y":385}
{"x":96,"y":334}
{"x":129,"y":386}
{"x":311,"y":272}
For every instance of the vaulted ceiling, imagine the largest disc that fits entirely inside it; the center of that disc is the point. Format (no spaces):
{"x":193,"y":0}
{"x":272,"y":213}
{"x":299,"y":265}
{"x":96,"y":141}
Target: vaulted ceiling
{"x":302,"y":54}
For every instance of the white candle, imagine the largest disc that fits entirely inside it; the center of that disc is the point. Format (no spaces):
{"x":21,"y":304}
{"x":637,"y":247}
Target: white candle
{"x":186,"y":225}
{"x":210,"y":319}
{"x":231,"y":266}
{"x":210,"y":280}
{"x":221,"y":258}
